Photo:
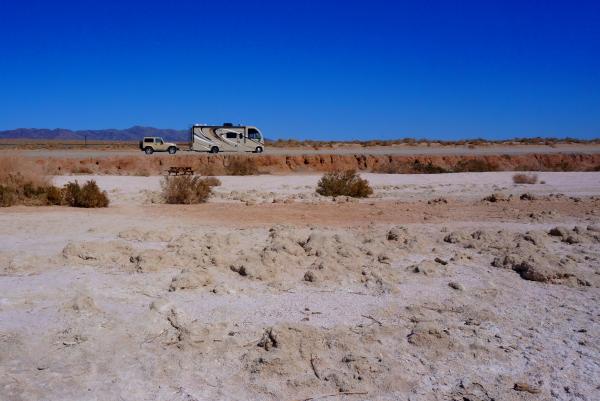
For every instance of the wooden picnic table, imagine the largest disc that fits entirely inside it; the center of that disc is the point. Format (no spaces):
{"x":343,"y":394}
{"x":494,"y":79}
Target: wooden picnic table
{"x":180,"y":171}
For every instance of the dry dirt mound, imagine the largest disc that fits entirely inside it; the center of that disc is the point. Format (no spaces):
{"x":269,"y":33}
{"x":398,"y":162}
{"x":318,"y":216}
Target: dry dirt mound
{"x":135,"y":234}
{"x":532,"y":254}
{"x":281,"y":257}
{"x":334,"y":360}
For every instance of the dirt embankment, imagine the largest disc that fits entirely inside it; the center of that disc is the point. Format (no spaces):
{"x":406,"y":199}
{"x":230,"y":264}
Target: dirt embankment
{"x":220,"y":164}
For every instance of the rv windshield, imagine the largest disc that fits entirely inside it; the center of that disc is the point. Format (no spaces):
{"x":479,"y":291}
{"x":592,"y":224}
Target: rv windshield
{"x":253,"y":133}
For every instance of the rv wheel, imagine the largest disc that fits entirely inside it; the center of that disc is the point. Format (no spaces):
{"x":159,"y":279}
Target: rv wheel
{"x":214,"y":149}
{"x":172,"y":150}
{"x":149,"y":150}
{"x":259,"y":149}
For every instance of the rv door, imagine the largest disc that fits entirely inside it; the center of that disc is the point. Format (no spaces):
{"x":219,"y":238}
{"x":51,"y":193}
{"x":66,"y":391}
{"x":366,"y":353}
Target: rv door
{"x":232,"y":136}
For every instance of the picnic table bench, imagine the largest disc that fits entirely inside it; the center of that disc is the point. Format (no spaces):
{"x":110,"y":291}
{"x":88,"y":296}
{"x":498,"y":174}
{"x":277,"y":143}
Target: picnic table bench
{"x":180,"y":171}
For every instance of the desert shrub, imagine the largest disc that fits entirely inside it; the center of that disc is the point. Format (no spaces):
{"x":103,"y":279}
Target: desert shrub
{"x":82,"y":170}
{"x":212,"y":181}
{"x":8,"y":196}
{"x":187,"y":189}
{"x":524,"y":178}
{"x":566,"y":165}
{"x":71,"y":193}
{"x":89,"y":195}
{"x":241,"y":166}
{"x":474,"y":165}
{"x":390,"y":168}
{"x":24,"y":182}
{"x":142,"y":172}
{"x":344,"y":183}
{"x":416,"y":167}
{"x":53,"y":195}
{"x":427,"y":168}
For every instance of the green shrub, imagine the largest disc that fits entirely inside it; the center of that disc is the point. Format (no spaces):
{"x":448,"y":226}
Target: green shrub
{"x":88,"y":195}
{"x":344,"y":183}
{"x":187,"y":189}
{"x":241,"y":166}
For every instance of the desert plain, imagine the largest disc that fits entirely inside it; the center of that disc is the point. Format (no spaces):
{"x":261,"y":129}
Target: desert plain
{"x":462,"y":286}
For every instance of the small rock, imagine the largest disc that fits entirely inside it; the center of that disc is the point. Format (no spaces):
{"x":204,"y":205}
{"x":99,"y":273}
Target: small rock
{"x":441,"y":261}
{"x":241,"y":270}
{"x":572,"y":239}
{"x":526,"y":387}
{"x":310,"y":277}
{"x":559,"y":232}
{"x":527,"y":196}
{"x":497,"y":197}
{"x":593,"y":227}
{"x":456,"y":286}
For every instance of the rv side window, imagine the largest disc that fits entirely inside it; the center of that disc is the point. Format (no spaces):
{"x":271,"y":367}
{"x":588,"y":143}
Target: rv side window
{"x":253,"y":134}
{"x":231,"y":135}
{"x":148,"y":140}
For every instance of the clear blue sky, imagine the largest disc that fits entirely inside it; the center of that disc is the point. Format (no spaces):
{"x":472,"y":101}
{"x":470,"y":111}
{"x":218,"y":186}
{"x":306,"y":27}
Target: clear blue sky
{"x":305,"y":69}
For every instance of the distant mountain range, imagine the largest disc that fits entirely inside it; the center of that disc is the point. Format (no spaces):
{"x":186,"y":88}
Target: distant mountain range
{"x":129,"y":134}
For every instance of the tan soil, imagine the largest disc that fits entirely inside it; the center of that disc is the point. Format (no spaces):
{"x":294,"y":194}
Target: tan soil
{"x":401,"y":296}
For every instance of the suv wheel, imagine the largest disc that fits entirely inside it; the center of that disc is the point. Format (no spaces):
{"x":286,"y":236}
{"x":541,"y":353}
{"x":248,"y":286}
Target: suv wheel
{"x":259,"y":149}
{"x":172,"y":150}
{"x":149,"y":150}
{"x":214,"y":149}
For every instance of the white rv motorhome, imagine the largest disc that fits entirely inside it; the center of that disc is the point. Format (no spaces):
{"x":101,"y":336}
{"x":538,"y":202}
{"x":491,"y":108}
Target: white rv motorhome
{"x":226,"y":137}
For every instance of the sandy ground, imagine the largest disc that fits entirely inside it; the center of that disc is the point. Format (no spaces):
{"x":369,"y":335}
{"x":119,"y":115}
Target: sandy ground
{"x":269,"y":292}
{"x":403,"y":187}
{"x":404,"y":150}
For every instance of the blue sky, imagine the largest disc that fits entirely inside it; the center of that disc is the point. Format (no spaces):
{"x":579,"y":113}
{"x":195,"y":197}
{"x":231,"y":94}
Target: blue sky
{"x":305,"y":69}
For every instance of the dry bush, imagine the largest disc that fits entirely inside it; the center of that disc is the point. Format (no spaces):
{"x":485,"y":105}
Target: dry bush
{"x":525,"y":178}
{"x":474,"y":165}
{"x":24,"y":182}
{"x":344,"y":183}
{"x":88,"y":195}
{"x":390,"y":168}
{"x":241,"y":166}
{"x":82,"y":170}
{"x":28,"y":170}
{"x":427,"y":168}
{"x":187,"y":189}
{"x":142,"y":173}
{"x":212,"y":181}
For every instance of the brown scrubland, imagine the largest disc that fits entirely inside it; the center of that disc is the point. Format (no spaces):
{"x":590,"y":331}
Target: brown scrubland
{"x":205,"y":164}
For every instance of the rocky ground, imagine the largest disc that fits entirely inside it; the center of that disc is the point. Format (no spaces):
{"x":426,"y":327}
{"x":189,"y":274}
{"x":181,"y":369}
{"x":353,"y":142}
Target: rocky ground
{"x":444,"y":287}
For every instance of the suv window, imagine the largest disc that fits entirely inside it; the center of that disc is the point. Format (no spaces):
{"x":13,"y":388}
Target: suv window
{"x":231,"y":135}
{"x":158,"y":140}
{"x":148,"y":140}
